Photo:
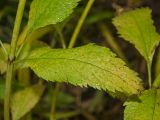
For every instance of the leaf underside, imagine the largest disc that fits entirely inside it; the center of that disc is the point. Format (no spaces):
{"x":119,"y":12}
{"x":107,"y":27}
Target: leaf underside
{"x":46,"y":12}
{"x":146,"y":108}
{"x":137,"y":27}
{"x":90,"y":65}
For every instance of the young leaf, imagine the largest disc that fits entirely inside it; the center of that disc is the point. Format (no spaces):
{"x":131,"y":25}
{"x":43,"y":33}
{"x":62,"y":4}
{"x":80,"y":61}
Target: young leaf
{"x":25,"y":100}
{"x":89,"y":65}
{"x":46,"y":12}
{"x":146,"y":108}
{"x":137,"y":27}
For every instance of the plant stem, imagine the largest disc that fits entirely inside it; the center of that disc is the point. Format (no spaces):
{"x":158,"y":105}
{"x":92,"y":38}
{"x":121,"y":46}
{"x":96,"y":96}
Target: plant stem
{"x":80,"y":23}
{"x":16,"y":29}
{"x":54,"y":98}
{"x":67,"y":114}
{"x":7,"y":91}
{"x":149,"y":73}
{"x":156,"y":83}
{"x":61,"y":36}
{"x":9,"y":75}
{"x":57,"y":86}
{"x":111,"y":41}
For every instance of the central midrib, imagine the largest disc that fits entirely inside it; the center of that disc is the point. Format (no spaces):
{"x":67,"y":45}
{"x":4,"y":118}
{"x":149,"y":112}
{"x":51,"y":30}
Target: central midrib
{"x":77,"y":61}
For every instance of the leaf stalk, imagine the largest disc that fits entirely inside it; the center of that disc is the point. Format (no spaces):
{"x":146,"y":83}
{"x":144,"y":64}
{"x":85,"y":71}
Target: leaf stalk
{"x":149,"y":73}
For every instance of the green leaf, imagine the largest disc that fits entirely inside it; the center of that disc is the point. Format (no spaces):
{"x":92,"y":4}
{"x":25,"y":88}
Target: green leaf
{"x":3,"y":58}
{"x":146,"y":108}
{"x":90,"y":65}
{"x":46,"y":12}
{"x":23,"y":101}
{"x":137,"y":27}
{"x":30,"y":46}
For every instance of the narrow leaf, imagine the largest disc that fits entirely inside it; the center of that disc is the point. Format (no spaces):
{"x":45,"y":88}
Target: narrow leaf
{"x":137,"y":27}
{"x":146,"y":108}
{"x":90,"y":65}
{"x":23,"y":101}
{"x":46,"y":12}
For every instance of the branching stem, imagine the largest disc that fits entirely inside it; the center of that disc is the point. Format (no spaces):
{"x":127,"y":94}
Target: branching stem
{"x":9,"y":75}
